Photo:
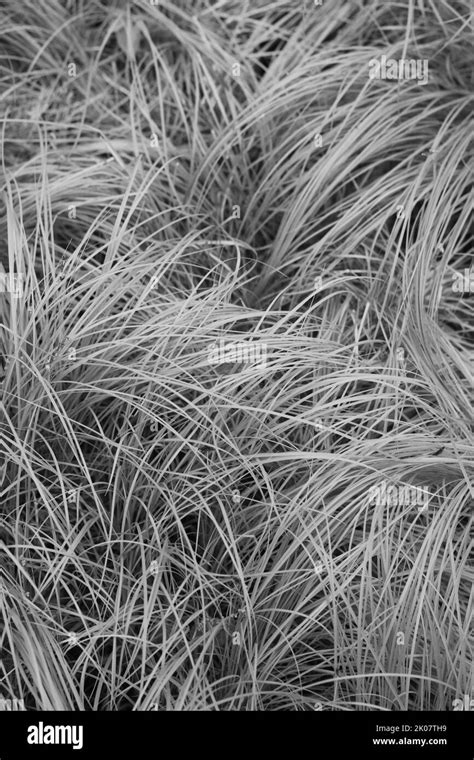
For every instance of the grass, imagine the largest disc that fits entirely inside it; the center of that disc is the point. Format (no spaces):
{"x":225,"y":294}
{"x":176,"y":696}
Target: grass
{"x":178,"y":534}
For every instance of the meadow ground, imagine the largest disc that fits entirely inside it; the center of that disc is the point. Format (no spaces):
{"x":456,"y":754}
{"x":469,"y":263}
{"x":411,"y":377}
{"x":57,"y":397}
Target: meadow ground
{"x":236,"y":342}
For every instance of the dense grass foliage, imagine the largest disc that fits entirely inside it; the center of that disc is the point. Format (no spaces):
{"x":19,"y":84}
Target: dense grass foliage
{"x":181,"y":533}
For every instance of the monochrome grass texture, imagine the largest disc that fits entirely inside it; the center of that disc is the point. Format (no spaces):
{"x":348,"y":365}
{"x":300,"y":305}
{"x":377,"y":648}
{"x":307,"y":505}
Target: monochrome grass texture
{"x":184,"y":534}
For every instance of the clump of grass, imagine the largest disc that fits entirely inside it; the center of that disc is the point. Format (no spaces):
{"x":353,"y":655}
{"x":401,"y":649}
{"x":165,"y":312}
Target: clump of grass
{"x":178,"y":534}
